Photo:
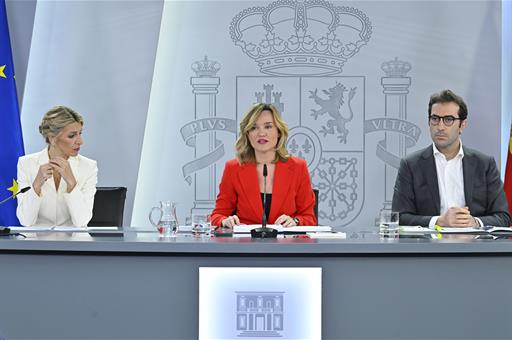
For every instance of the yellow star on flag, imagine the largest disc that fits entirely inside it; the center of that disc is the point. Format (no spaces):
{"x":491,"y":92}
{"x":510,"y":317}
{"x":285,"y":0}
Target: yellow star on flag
{"x":2,"y":68}
{"x":14,"y":188}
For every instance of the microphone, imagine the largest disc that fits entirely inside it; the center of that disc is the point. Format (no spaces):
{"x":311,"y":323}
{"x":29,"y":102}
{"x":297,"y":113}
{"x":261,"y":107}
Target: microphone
{"x":264,"y":217}
{"x":25,"y":189}
{"x":264,"y":231}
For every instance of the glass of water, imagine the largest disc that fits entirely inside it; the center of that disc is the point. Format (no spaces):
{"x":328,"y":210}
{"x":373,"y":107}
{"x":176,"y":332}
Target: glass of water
{"x":388,"y":225}
{"x":201,"y":224}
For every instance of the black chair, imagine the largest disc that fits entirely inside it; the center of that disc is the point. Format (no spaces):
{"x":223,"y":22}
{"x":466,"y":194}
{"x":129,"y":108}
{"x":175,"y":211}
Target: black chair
{"x":108,"y":207}
{"x":315,"y":209}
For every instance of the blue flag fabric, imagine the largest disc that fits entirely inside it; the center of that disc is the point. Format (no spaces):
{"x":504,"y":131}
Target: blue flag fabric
{"x":11,"y":141}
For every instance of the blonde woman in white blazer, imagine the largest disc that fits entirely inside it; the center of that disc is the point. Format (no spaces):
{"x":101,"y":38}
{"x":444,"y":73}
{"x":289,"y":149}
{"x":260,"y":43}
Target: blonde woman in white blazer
{"x":63,"y":182}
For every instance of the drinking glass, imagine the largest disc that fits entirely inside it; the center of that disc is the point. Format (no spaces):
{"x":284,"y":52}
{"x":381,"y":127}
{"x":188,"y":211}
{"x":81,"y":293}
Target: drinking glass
{"x":201,"y":224}
{"x":388,"y":225}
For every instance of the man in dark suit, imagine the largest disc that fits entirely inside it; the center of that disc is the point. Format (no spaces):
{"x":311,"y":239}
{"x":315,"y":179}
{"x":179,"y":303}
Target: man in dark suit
{"x":448,"y":184}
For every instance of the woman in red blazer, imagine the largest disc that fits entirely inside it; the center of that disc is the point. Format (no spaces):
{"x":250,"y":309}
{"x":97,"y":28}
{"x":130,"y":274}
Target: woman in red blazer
{"x":290,"y":198}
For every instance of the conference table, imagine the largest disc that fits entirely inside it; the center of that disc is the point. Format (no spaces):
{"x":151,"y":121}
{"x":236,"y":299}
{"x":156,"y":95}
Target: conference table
{"x":140,"y":286}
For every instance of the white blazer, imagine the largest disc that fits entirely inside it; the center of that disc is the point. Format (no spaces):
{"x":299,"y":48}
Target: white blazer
{"x":54,"y":208}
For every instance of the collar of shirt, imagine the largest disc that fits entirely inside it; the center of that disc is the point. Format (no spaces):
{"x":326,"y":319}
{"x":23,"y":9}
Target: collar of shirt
{"x":439,"y":155}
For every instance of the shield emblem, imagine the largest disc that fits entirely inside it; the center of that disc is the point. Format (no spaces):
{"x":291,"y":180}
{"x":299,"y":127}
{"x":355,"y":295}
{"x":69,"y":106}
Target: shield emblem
{"x":326,"y":118}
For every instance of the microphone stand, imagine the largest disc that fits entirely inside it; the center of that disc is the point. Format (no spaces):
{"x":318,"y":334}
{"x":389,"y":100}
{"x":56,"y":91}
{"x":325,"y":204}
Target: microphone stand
{"x":264,"y":231}
{"x":4,"y":231}
{"x":8,"y":198}
{"x":25,"y":189}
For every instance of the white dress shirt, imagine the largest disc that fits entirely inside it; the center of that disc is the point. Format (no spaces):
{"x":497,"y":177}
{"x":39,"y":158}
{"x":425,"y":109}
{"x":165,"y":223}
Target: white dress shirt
{"x":450,"y":179}
{"x":56,"y":208}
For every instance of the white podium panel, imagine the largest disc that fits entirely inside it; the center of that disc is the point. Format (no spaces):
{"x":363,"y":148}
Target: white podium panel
{"x":260,"y":303}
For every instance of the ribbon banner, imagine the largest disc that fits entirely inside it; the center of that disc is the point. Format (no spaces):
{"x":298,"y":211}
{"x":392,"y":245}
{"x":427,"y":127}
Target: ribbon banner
{"x":189,"y":133}
{"x":411,"y":131}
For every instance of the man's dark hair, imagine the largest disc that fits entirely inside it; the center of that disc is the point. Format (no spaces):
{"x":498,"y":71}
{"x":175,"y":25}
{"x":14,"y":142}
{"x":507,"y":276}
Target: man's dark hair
{"x":447,"y":96}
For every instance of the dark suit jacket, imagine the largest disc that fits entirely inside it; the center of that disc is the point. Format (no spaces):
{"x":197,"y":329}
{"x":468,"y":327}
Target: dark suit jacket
{"x":291,"y":193}
{"x":416,"y":194}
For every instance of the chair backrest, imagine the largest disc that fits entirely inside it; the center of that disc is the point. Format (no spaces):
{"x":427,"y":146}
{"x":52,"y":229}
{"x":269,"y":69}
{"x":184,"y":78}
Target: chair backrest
{"x":108,"y":207}
{"x":315,"y":209}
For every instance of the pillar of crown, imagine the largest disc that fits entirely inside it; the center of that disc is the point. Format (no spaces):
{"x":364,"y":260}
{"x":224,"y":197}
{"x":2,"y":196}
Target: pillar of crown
{"x":396,"y":87}
{"x":205,"y":88}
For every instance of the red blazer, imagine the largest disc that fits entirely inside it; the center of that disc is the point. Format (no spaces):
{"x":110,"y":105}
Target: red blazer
{"x":292,"y":193}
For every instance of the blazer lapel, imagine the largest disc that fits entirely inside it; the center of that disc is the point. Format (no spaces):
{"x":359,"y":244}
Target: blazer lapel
{"x":468,"y":171}
{"x":248,"y":178}
{"x":428,"y":167}
{"x":74,"y":164}
{"x":282,"y":180}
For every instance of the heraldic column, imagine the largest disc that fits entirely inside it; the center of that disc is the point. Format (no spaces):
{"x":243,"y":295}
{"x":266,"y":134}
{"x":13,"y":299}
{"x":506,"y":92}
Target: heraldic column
{"x":205,"y":88}
{"x":396,"y":87}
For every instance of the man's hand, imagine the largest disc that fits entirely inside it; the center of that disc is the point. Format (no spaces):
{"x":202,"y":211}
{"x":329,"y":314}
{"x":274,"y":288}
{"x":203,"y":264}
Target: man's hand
{"x":457,"y":217}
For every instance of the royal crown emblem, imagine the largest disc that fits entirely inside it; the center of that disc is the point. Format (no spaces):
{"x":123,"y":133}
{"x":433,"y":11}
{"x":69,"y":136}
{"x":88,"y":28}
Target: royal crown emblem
{"x":205,"y":67}
{"x":300,"y":37}
{"x":396,"y":68}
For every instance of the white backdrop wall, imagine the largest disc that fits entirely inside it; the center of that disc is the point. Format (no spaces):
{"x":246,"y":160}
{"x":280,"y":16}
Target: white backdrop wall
{"x":352,"y":156}
{"x":98,"y":58}
{"x":127,"y":66}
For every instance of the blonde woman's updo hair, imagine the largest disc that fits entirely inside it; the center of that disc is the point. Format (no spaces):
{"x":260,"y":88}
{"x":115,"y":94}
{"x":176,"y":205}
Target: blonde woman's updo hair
{"x":244,"y":149}
{"x":56,"y":119}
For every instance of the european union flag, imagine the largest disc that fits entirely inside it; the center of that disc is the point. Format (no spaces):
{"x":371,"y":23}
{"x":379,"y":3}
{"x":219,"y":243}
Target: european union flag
{"x":11,"y":141}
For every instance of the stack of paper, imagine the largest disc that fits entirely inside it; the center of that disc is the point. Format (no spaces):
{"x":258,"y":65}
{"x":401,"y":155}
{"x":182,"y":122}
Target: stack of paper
{"x":328,"y":235}
{"x":411,"y":230}
{"x":246,"y":228}
{"x":48,"y":229}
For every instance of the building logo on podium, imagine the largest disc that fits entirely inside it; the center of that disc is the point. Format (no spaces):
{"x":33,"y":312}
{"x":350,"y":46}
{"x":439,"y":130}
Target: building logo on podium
{"x":259,"y":314}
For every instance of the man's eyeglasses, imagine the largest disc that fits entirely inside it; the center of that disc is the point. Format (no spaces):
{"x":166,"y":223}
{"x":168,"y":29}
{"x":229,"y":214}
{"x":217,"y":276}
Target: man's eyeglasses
{"x":447,"y":120}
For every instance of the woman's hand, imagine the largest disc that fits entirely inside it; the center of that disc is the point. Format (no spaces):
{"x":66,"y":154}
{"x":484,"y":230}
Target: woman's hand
{"x":62,"y":166}
{"x":286,"y":221}
{"x":45,"y":172}
{"x":231,"y":221}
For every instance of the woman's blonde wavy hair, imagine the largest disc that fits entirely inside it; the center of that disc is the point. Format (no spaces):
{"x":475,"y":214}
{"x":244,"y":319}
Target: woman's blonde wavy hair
{"x":56,"y":119}
{"x":244,"y":149}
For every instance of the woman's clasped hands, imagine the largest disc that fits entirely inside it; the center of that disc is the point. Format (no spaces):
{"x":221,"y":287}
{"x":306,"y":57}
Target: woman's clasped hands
{"x":61,"y":167}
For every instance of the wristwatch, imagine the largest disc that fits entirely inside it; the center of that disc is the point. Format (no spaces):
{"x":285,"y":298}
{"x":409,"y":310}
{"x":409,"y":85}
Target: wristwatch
{"x":296,"y":220}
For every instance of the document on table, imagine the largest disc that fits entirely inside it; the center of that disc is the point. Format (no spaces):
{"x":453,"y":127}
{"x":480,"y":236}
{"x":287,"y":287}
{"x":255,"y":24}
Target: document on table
{"x":415,"y":229}
{"x":48,"y":229}
{"x":246,"y":228}
{"x":102,"y":228}
{"x":483,"y":230}
{"x":455,"y":230}
{"x":410,"y":230}
{"x":328,"y":235}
